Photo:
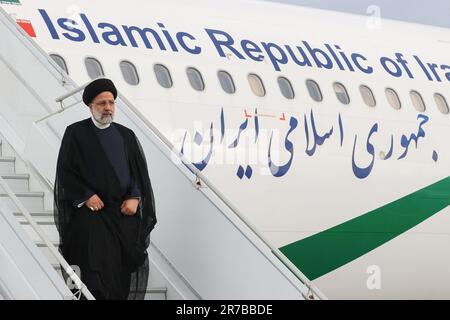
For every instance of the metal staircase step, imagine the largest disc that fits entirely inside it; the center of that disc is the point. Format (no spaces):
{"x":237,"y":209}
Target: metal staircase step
{"x":155,"y":293}
{"x":48,"y":229}
{"x":39,"y":220}
{"x":7,"y":165}
{"x":37,"y":214}
{"x":42,"y":218}
{"x":33,"y":201}
{"x":17,"y":182}
{"x":41,"y":245}
{"x":152,"y":293}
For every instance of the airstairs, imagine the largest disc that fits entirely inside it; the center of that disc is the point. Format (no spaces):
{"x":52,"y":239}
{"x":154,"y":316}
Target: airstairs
{"x":21,"y":184}
{"x":201,"y":248}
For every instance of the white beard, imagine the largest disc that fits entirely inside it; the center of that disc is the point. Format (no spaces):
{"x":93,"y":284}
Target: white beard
{"x":101,"y":118}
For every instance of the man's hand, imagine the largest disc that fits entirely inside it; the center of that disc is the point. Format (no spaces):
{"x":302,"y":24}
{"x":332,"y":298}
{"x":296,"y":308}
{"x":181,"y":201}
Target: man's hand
{"x":95,"y":203}
{"x":129,"y":207}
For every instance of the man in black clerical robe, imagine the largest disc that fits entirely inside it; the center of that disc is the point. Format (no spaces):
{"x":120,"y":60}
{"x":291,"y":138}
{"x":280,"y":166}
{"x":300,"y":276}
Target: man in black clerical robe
{"x":104,"y":204}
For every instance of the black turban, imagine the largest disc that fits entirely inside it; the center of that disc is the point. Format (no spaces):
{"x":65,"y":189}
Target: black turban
{"x":96,"y":87}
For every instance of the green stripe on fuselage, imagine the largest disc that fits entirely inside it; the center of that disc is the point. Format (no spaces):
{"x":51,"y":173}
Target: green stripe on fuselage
{"x":328,"y":250}
{"x":10,"y":1}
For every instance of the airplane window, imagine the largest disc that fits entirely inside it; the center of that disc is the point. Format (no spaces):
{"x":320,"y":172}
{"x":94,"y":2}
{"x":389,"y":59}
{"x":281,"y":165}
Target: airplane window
{"x":195,"y":78}
{"x":94,"y":68}
{"x":341,"y":93}
{"x":367,"y":96}
{"x":60,"y":62}
{"x":314,"y":90}
{"x":441,"y":103}
{"x":417,"y":101}
{"x":226,"y":81}
{"x":256,"y":85}
{"x":129,"y":73}
{"x":163,"y":76}
{"x":393,"y":99}
{"x":286,"y":88}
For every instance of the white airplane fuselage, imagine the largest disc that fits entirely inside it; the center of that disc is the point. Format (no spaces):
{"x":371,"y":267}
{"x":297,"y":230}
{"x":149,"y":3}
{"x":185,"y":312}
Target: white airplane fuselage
{"x":356,"y":196}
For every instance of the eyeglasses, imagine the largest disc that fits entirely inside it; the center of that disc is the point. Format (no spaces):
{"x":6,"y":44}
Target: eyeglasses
{"x":104,"y":103}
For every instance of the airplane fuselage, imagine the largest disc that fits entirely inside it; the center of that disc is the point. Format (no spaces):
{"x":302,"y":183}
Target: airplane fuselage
{"x":333,"y":143}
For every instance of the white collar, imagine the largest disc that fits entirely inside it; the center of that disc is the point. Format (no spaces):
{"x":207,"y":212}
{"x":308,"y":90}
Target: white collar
{"x":100,"y":125}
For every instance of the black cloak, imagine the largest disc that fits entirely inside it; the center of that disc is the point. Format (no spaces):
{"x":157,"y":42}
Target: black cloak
{"x":107,"y":242}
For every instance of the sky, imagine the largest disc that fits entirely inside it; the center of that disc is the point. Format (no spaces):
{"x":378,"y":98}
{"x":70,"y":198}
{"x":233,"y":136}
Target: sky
{"x":432,"y":12}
